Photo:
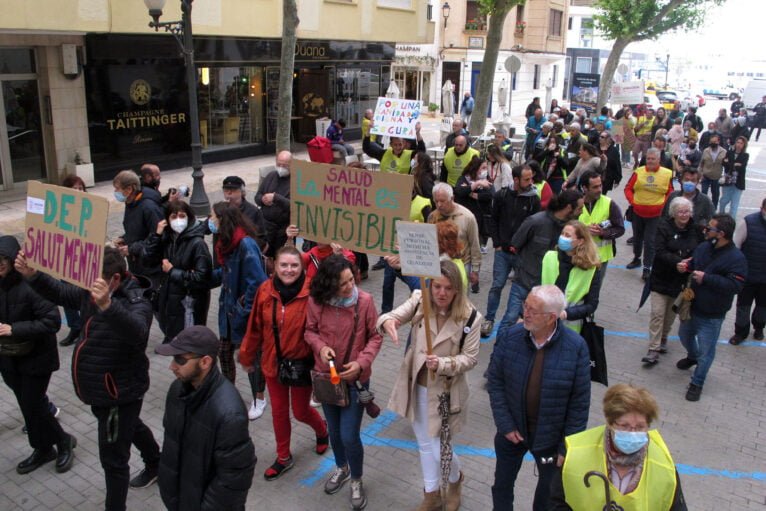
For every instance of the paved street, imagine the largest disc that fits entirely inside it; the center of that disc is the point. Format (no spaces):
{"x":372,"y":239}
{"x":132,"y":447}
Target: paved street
{"x":718,"y":443}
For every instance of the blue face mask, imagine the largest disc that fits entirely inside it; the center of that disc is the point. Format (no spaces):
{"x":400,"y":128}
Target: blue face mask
{"x":119,"y":196}
{"x":565,"y":244}
{"x":211,"y":225}
{"x":688,"y":186}
{"x":629,"y":442}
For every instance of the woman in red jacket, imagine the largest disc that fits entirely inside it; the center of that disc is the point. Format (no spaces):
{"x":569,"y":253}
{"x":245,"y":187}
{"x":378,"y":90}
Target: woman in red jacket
{"x":280,"y":309}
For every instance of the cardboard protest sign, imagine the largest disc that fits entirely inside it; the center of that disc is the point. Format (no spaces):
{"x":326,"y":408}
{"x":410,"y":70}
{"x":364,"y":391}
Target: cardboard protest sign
{"x":65,"y":233}
{"x":418,"y":249}
{"x":355,"y":208}
{"x":396,"y":117}
{"x":627,"y":93}
{"x":617,"y":130}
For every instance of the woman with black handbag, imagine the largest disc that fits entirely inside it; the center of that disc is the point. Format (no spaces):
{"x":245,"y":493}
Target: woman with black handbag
{"x":28,"y":357}
{"x":275,"y":328}
{"x":340,"y":328}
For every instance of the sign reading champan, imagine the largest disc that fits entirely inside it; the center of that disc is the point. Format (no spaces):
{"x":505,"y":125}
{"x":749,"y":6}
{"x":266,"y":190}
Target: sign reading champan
{"x":396,"y":117}
{"x":65,"y":233}
{"x":355,"y":208}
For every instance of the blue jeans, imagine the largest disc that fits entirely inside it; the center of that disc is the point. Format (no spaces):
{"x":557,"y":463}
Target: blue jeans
{"x":389,"y":281}
{"x":344,"y":425}
{"x":515,"y":304}
{"x":714,"y":186}
{"x":503,"y":264}
{"x":730,"y":196}
{"x":699,"y":336}
{"x":509,"y":459}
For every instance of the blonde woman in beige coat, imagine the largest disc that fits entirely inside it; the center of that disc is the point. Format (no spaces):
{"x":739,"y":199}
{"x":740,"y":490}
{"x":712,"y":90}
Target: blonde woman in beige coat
{"x":416,"y":393}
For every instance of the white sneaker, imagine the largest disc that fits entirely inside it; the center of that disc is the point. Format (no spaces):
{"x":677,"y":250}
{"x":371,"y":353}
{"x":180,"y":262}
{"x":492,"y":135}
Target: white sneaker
{"x":314,"y":404}
{"x":483,"y":249}
{"x":256,"y":409}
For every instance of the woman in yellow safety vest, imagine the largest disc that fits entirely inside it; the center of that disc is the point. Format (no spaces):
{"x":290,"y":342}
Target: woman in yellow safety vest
{"x":572,"y":268}
{"x":633,"y":463}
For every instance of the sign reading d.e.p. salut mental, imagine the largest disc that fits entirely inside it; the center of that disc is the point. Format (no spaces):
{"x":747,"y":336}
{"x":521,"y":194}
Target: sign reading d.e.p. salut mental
{"x":65,"y":233}
{"x":355,"y":208}
{"x":396,"y":117}
{"x":418,"y":249}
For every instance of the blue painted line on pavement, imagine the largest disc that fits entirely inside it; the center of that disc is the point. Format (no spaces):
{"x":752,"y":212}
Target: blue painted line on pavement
{"x":644,"y":335}
{"x":371,"y":438}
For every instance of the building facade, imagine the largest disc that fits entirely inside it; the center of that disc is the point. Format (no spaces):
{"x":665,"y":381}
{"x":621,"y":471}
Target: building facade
{"x":535,"y":33}
{"x":87,"y":80}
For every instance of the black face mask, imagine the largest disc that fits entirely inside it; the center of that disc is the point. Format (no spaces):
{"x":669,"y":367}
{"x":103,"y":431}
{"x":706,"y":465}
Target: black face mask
{"x":713,"y":146}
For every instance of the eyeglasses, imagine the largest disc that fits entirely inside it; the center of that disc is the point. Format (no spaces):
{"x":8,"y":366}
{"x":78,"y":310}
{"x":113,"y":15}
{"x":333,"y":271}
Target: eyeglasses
{"x":707,"y":228}
{"x":525,"y":307}
{"x":627,"y":427}
{"x":181,"y":360}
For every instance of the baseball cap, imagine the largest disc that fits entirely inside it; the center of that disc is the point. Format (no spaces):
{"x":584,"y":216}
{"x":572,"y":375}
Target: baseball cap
{"x":197,"y":339}
{"x":233,"y":182}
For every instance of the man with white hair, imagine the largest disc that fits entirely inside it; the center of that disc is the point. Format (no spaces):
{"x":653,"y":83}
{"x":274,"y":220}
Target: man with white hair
{"x":273,"y":197}
{"x":468,"y":229}
{"x":536,"y":358}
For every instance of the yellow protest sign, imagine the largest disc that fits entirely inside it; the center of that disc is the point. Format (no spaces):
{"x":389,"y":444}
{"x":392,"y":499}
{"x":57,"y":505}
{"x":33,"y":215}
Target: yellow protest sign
{"x":65,"y":232}
{"x":355,"y":208}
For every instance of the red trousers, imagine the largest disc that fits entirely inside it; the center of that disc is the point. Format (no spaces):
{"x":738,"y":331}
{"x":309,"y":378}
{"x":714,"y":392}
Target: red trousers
{"x":280,"y":413}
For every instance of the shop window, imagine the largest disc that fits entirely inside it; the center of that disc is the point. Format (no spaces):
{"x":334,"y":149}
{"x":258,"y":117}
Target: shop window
{"x":230,"y":106}
{"x":554,"y":23}
{"x":17,"y":60}
{"x":356,"y":90}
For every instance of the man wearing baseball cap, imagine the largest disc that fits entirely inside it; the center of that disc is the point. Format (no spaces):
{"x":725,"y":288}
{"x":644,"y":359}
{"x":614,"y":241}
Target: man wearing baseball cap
{"x":207,"y":459}
{"x":234,"y":193}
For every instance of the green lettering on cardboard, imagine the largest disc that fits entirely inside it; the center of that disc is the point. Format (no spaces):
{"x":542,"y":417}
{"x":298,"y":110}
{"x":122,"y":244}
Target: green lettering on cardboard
{"x":66,"y":201}
{"x":86,"y":212}
{"x":51,"y":207}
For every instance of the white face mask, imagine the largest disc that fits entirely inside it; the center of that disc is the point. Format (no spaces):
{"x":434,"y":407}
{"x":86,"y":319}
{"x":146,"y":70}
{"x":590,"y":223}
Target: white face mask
{"x":413,"y":163}
{"x":179,"y":224}
{"x":283,"y":171}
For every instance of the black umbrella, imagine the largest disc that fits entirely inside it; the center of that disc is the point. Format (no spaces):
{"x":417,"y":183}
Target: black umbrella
{"x":609,"y":504}
{"x":645,"y":293}
{"x":445,"y":438}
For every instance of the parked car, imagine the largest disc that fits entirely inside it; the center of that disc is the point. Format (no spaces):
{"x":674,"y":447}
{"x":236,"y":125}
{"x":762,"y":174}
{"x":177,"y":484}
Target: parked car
{"x":667,"y":99}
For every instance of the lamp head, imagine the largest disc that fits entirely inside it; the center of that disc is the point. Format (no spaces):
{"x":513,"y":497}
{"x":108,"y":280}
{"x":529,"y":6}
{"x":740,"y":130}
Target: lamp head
{"x":155,"y":10}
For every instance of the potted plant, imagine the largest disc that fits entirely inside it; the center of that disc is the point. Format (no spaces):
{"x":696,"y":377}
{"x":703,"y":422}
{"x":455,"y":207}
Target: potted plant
{"x":520,"y":27}
{"x":432,"y":108}
{"x":82,"y":169}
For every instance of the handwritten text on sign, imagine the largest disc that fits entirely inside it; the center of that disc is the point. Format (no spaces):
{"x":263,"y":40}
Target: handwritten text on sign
{"x":396,"y":117}
{"x":355,"y":208}
{"x":418,"y":249}
{"x":65,"y":233}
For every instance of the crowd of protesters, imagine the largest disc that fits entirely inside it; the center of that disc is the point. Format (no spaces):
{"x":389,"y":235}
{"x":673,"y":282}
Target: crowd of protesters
{"x":306,"y":334}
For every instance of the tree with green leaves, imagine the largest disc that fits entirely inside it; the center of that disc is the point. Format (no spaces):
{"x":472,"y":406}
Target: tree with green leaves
{"x":497,"y":10}
{"x":629,"y":21}
{"x":289,"y":38}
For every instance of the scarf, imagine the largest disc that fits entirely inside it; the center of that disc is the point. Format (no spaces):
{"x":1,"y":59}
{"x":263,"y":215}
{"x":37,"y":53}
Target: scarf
{"x":340,"y":301}
{"x":222,"y":252}
{"x":615,"y":457}
{"x":289,"y":291}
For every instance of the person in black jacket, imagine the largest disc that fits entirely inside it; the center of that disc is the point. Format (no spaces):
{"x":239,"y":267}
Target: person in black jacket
{"x":718,"y":270}
{"x":186,"y":265}
{"x":474,"y":191}
{"x":28,"y":356}
{"x":234,"y":193}
{"x":142,"y":212}
{"x":110,"y":370}
{"x":208,"y":458}
{"x":509,"y":209}
{"x":273,"y":197}
{"x":677,"y":237}
{"x":608,"y":150}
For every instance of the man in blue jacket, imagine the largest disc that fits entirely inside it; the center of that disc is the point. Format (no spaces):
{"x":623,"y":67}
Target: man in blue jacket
{"x":539,"y":389}
{"x":718,"y":269}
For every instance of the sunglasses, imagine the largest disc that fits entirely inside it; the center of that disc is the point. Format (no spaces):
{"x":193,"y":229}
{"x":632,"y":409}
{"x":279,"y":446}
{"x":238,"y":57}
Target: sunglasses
{"x":711,"y":229}
{"x":181,"y":360}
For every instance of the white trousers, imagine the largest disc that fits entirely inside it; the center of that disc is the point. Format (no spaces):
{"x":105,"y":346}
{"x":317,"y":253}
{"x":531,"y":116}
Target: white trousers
{"x":430,"y":447}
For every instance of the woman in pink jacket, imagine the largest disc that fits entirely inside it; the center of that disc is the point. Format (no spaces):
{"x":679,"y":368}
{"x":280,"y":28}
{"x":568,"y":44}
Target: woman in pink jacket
{"x":341,"y":325}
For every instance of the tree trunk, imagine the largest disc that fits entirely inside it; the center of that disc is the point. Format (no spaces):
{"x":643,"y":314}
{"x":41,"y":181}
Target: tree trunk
{"x":605,"y":84}
{"x":487,"y":73}
{"x":289,"y":24}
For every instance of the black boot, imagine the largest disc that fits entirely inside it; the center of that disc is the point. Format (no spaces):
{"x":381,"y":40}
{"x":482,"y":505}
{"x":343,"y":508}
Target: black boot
{"x":66,"y":453}
{"x":70,"y":338}
{"x":38,"y":459}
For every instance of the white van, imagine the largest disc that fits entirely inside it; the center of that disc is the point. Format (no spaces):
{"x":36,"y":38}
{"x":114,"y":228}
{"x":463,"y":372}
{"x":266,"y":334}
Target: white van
{"x":754,"y":92}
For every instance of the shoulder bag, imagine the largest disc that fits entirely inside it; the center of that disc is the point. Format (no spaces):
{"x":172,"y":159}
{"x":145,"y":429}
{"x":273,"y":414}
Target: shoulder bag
{"x":325,"y":391}
{"x":290,"y":372}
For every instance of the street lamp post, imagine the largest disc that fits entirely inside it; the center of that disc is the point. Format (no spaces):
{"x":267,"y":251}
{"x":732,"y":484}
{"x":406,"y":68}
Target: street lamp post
{"x":445,"y":13}
{"x":182,"y":31}
{"x":667,"y":68}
